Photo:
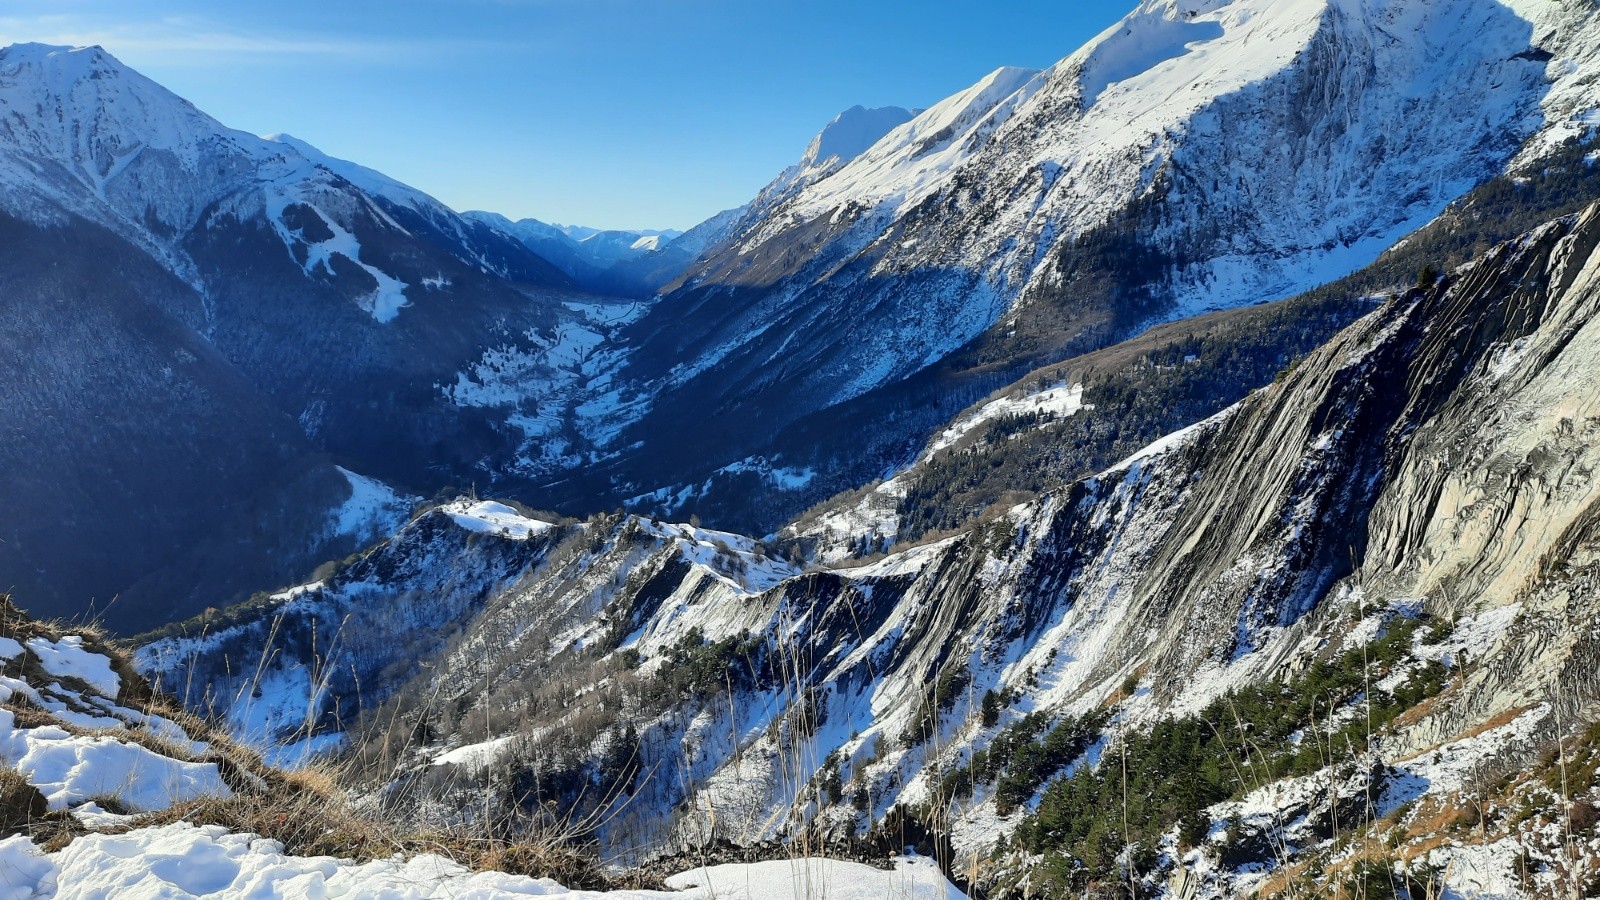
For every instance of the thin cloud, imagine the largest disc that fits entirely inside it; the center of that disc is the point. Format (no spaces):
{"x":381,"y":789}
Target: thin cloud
{"x":195,"y":42}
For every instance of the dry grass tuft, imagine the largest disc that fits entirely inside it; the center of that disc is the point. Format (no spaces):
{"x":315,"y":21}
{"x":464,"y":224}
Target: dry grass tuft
{"x":21,"y":804}
{"x":24,"y":810}
{"x":305,"y":822}
{"x":304,"y":810}
{"x":307,"y":813}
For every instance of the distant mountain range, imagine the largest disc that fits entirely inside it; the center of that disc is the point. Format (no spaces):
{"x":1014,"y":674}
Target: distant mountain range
{"x":623,"y":263}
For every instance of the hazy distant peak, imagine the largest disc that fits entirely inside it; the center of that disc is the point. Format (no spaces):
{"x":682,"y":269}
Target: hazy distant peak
{"x":852,"y":132}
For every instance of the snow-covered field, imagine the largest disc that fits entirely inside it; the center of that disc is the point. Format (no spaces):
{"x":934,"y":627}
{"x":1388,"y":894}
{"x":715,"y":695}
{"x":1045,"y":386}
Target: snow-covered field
{"x":92,"y":755}
{"x":489,"y":517}
{"x":181,"y":861}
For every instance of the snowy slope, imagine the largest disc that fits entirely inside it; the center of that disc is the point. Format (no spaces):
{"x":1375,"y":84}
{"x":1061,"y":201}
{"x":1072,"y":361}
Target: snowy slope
{"x":851,"y":134}
{"x":1358,"y":95}
{"x":94,"y":750}
{"x":1194,"y":156}
{"x":86,"y":135}
{"x":709,"y":233}
{"x":915,"y":157}
{"x":840,"y":142}
{"x":182,"y":861}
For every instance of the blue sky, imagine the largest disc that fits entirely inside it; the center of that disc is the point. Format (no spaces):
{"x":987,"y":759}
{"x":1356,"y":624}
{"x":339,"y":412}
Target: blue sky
{"x":611,"y":113}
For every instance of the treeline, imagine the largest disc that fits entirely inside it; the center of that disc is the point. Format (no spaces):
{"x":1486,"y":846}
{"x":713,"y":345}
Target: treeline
{"x":1148,"y":783}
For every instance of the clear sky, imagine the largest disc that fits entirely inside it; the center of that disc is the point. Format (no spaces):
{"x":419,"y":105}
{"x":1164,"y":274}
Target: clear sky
{"x":609,"y":113}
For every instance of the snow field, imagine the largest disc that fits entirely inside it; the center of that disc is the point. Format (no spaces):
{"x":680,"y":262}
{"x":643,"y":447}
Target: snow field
{"x":181,"y":861}
{"x":66,"y":658}
{"x":489,"y":517}
{"x":69,"y":768}
{"x":1057,"y":403}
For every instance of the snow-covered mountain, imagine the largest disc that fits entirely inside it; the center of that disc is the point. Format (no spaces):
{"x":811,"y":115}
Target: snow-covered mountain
{"x":1355,"y":94}
{"x":1389,"y":551}
{"x":850,"y":134}
{"x":205,"y":317}
{"x":86,"y":136}
{"x":1197,"y":155}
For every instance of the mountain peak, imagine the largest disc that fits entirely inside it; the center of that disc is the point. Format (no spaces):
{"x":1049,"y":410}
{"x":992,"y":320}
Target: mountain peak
{"x":911,"y":157}
{"x":852,"y":132}
{"x":60,"y":69}
{"x":84,"y":110}
{"x":287,"y":139}
{"x":38,"y":53}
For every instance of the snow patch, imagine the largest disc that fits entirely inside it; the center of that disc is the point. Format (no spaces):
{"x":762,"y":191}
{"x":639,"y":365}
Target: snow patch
{"x":299,"y":590}
{"x":1452,"y":766}
{"x":1479,"y":872}
{"x":784,"y":478}
{"x":69,"y":769}
{"x":912,"y":878}
{"x":489,"y":517}
{"x":1053,"y":403}
{"x":66,"y":658}
{"x":182,"y":861}
{"x":475,"y":756}
{"x":9,"y":649}
{"x":386,"y":299}
{"x":373,"y":509}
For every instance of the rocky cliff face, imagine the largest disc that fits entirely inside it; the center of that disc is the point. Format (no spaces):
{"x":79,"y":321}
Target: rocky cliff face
{"x":1432,"y":460}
